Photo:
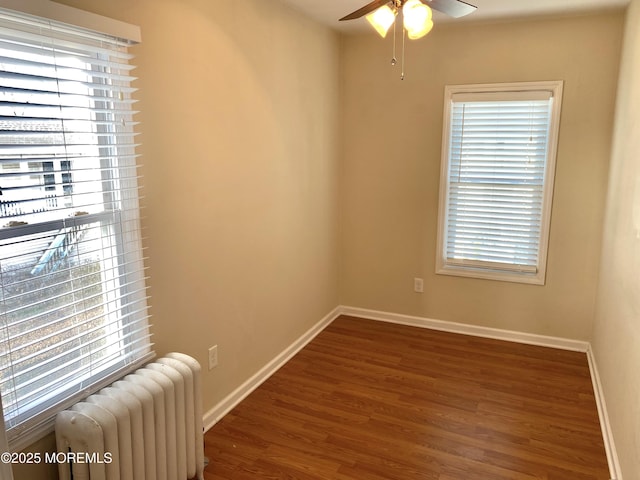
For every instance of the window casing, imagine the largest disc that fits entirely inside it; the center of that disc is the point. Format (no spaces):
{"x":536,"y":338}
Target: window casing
{"x":497,"y":175}
{"x":73,"y":302}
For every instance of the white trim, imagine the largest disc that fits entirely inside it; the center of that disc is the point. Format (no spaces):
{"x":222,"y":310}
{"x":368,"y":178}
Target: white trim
{"x":550,"y":89}
{"x":466,"y":329}
{"x":523,"y":88}
{"x":607,"y":434}
{"x":74,"y":16}
{"x":227,"y":404}
{"x":448,"y":268}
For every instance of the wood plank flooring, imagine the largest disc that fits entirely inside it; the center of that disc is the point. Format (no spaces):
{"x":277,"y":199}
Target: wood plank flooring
{"x":371,"y":400}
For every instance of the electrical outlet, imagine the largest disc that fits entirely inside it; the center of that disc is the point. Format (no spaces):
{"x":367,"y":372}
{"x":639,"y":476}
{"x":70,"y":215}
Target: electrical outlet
{"x":418,"y":285}
{"x":213,"y":357}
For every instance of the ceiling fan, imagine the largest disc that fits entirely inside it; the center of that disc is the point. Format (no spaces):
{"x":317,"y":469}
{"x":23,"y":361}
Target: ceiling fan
{"x":417,"y":14}
{"x":416,"y":17}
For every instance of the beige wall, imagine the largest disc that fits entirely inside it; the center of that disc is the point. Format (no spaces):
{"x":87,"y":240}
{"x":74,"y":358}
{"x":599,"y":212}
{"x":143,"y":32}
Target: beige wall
{"x":391,"y":169}
{"x":616,"y":339}
{"x":239,"y":132}
{"x":239,"y":105}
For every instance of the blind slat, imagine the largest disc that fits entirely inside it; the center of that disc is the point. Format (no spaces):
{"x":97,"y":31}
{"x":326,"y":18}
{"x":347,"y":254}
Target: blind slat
{"x":79,"y":307}
{"x":81,"y":340}
{"x":36,"y":393}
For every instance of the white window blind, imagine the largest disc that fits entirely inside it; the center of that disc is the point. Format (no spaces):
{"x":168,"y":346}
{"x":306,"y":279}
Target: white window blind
{"x":497,"y":181}
{"x":73,"y":305}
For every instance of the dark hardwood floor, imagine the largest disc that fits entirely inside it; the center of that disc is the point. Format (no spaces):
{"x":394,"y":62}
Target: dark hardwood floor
{"x":372,"y":400}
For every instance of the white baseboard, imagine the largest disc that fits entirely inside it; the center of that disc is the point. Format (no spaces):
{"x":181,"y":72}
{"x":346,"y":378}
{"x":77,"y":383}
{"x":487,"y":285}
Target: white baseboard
{"x":607,"y":434}
{"x":466,"y":329}
{"x":227,"y":404}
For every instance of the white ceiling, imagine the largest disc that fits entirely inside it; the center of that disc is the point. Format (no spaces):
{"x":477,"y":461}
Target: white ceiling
{"x":329,"y":11}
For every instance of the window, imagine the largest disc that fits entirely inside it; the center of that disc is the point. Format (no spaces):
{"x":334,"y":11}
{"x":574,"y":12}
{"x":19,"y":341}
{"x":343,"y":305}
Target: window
{"x":73,"y":312}
{"x":496,"y":186}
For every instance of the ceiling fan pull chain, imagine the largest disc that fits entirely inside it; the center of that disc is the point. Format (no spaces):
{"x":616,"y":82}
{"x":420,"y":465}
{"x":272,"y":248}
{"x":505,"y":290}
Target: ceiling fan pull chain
{"x":404,"y":35}
{"x":393,"y":58}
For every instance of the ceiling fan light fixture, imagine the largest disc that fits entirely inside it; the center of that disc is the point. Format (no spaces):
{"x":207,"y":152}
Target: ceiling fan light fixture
{"x":417,"y":19}
{"x":382,"y":19}
{"x":416,"y":34}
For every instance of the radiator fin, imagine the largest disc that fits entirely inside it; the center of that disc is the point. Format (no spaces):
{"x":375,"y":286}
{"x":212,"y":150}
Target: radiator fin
{"x":149,"y":422}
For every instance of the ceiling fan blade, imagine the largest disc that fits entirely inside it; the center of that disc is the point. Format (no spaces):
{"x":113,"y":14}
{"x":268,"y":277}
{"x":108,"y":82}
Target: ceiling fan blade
{"x":453,"y":8}
{"x":366,"y":9}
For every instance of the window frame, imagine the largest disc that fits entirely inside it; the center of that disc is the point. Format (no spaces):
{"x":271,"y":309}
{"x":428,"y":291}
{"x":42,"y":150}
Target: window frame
{"x":479,"y":270}
{"x":127,"y":34}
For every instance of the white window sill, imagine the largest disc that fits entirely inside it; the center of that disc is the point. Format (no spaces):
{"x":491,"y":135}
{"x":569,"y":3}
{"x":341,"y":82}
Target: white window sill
{"x":491,"y":274}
